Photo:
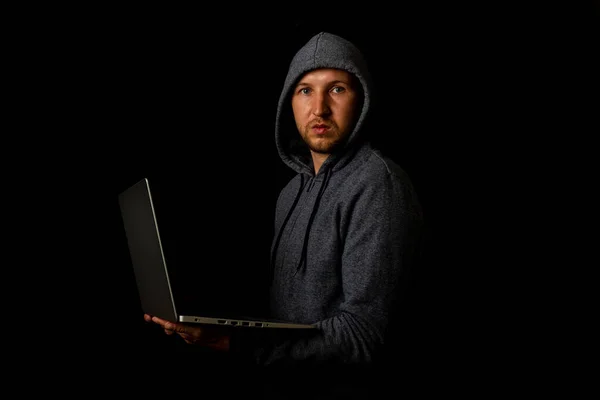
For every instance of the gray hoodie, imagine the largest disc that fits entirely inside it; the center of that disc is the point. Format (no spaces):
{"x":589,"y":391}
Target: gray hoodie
{"x":343,"y":237}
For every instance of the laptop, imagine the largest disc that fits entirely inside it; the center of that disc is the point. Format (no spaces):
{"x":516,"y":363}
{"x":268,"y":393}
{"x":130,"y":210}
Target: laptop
{"x":150,"y":266}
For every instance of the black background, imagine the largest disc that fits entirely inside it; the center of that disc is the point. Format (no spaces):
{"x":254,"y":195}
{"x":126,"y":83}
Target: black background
{"x":465,"y":98}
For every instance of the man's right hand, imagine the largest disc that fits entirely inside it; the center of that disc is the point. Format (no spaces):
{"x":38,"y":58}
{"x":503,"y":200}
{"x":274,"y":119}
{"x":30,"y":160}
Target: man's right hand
{"x":215,"y":337}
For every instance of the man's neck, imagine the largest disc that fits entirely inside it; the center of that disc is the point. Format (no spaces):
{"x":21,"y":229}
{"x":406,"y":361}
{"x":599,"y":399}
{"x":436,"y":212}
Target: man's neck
{"x":318,"y":160}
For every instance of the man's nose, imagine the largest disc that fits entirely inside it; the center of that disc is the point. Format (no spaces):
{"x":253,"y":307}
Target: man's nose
{"x":321,"y":106}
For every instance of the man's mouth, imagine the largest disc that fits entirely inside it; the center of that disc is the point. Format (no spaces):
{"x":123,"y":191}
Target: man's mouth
{"x":320,"y":129}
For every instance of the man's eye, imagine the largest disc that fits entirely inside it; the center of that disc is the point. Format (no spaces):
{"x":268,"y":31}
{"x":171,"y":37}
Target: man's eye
{"x":338,"y":89}
{"x":305,"y":91}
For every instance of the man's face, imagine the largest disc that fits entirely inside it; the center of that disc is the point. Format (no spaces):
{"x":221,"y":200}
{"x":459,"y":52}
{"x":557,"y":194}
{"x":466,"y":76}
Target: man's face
{"x":325,"y":105}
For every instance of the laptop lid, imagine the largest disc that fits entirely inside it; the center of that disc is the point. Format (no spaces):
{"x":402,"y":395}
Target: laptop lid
{"x":150,"y":266}
{"x":145,"y":248}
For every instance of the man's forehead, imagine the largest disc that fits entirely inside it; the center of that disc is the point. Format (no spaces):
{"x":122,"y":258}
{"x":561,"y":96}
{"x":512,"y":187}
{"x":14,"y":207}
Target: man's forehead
{"x":326,"y":74}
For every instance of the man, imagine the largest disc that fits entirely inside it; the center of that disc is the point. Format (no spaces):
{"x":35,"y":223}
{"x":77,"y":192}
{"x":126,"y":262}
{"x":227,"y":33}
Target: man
{"x":347,"y":225}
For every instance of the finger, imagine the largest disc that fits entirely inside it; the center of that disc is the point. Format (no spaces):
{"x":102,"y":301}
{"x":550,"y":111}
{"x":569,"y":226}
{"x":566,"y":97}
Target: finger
{"x":171,"y":327}
{"x":147,"y":318}
{"x":158,"y":320}
{"x":163,"y":322}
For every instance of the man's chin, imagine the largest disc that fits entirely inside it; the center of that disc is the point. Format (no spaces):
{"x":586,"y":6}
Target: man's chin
{"x":323,"y":149}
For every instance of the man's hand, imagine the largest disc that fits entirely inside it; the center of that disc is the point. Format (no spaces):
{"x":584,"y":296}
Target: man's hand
{"x":214,"y":337}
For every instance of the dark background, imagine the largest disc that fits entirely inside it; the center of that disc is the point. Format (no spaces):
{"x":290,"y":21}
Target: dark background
{"x":198,"y":120}
{"x":193,"y":108}
{"x":465,"y":100}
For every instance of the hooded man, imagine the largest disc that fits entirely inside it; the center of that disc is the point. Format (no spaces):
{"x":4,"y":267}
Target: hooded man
{"x":347,"y":225}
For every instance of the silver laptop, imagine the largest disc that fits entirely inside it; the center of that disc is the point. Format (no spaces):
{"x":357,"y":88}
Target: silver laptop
{"x":150,"y":266}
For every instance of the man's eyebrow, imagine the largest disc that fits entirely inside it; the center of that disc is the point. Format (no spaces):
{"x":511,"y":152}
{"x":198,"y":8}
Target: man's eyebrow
{"x":340,"y":81}
{"x":329,"y":83}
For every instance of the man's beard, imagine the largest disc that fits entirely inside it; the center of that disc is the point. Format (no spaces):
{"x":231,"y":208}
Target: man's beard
{"x":327,"y":145}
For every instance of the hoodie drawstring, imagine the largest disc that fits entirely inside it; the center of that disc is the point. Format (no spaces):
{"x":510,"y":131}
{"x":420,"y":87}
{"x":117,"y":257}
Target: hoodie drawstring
{"x":311,"y":183}
{"x":310,"y":220}
{"x":287,"y":217}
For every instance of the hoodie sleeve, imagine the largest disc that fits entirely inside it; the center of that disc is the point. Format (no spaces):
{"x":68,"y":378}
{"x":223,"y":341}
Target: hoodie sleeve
{"x":380,"y":227}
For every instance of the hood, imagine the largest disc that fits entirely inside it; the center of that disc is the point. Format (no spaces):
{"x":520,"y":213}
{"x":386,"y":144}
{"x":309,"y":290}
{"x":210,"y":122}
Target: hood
{"x":324,"y":50}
